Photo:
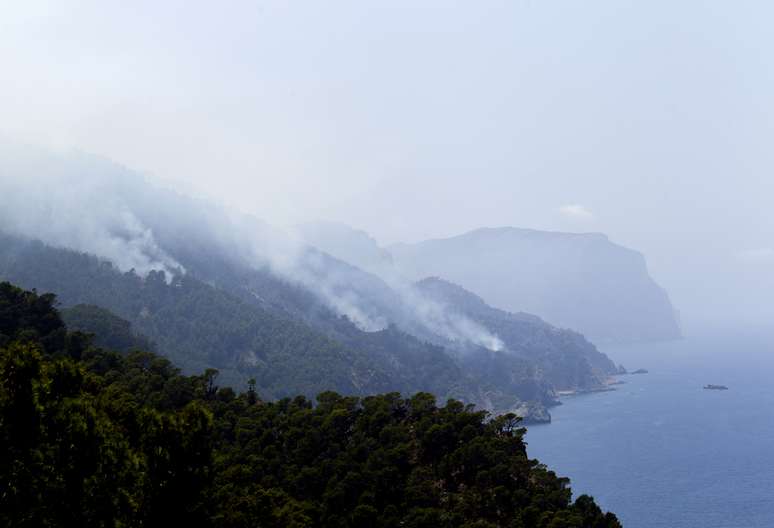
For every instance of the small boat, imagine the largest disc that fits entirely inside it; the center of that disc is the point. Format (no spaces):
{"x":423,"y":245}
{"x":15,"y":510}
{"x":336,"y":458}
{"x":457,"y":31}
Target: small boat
{"x":715,"y":387}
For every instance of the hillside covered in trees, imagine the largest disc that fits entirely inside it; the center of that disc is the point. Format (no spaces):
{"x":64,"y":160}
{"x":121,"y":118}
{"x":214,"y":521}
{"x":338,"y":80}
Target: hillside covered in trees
{"x":564,"y":357}
{"x":249,"y":323}
{"x":94,"y":437}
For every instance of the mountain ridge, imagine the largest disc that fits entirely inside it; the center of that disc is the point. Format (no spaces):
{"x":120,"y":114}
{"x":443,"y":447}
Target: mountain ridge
{"x":350,"y":360}
{"x":218,"y":289}
{"x":581,"y":281}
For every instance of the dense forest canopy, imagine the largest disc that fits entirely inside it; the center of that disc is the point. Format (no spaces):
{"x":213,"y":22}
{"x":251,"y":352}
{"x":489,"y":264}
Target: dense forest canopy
{"x":249,"y":323}
{"x":95,"y":437}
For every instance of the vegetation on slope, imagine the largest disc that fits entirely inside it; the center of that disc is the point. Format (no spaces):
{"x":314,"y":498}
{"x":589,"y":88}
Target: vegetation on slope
{"x":94,"y":437}
{"x":286,"y":341}
{"x":565,"y":358}
{"x":107,"y":330}
{"x":196,"y":325}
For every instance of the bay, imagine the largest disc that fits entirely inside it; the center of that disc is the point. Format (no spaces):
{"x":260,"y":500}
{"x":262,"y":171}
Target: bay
{"x":661,"y":451}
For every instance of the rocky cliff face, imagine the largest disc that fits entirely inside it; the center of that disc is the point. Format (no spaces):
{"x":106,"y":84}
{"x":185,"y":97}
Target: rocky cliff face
{"x":579,"y":281}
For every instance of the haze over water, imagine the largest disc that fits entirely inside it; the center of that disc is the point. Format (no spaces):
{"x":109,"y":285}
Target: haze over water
{"x":661,"y":451}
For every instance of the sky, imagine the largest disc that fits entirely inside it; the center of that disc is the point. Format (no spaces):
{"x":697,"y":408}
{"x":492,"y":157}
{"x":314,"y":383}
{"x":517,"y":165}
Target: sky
{"x":651,"y":121}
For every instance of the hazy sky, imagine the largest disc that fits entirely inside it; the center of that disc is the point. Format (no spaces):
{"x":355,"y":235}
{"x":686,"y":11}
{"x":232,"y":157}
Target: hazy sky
{"x":651,"y":121}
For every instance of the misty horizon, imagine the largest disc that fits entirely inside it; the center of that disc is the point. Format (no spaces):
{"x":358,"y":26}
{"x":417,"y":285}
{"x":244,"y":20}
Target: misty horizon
{"x":388,"y":131}
{"x":355,"y":264}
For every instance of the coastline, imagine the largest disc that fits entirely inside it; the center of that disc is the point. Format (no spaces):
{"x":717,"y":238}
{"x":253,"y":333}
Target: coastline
{"x":608,"y":385}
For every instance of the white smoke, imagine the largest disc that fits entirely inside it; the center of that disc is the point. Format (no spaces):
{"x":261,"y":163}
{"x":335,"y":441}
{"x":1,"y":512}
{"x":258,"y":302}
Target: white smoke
{"x":63,"y":202}
{"x":290,"y":258}
{"x":360,"y":249}
{"x":360,"y":296}
{"x":440,"y":318}
{"x":91,"y":205}
{"x":332,"y":284}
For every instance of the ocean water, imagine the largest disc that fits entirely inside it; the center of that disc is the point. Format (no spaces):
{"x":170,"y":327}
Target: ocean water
{"x":662,"y":452}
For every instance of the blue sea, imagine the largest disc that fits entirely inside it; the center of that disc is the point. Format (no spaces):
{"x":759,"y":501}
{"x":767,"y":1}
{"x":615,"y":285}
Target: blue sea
{"x":662,"y":452}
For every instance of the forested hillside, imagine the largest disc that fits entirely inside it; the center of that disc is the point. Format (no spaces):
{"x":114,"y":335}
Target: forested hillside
{"x":565,"y":358}
{"x":281,"y":337}
{"x":196,"y":325}
{"x":108,"y":330}
{"x":214,"y":288}
{"x":93,"y":437}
